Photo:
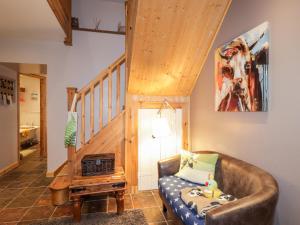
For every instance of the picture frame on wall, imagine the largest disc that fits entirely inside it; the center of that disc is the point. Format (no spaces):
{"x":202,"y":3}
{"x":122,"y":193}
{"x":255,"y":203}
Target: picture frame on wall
{"x":241,"y":72}
{"x":7,"y":90}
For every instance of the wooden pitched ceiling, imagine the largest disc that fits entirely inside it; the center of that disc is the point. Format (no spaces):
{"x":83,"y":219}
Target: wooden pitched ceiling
{"x":168,"y":43}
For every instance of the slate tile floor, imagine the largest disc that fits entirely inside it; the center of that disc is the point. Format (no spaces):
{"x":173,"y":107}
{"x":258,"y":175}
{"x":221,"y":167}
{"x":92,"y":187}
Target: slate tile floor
{"x":25,"y":198}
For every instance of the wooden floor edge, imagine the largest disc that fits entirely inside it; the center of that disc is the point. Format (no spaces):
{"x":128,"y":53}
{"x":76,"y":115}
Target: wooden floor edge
{"x":55,"y":172}
{"x":9,"y":168}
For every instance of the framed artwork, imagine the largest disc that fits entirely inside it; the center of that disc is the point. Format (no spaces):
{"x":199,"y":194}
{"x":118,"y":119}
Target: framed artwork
{"x":241,"y":72}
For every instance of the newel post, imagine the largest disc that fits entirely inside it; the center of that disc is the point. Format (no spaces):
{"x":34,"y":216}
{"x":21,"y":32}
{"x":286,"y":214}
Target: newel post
{"x":71,"y":91}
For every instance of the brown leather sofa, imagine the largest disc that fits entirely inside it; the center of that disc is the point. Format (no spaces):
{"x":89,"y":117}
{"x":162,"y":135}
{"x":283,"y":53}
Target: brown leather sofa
{"x":256,"y":190}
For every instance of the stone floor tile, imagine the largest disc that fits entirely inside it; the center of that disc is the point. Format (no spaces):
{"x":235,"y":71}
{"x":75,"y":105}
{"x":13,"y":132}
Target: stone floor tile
{"x":21,"y":202}
{"x":42,"y":212}
{"x":11,"y":215}
{"x":62,"y":211}
{"x":43,"y":200}
{"x":153,"y":215}
{"x":112,"y":204}
{"x":143,"y":200}
{"x":94,"y":206}
{"x":10,"y":192}
{"x":33,"y":191}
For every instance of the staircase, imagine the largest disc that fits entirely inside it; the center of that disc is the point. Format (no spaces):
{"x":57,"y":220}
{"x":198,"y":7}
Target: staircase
{"x":101,"y":117}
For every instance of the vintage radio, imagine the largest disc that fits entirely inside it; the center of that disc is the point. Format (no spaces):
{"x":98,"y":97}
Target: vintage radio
{"x":99,"y":164}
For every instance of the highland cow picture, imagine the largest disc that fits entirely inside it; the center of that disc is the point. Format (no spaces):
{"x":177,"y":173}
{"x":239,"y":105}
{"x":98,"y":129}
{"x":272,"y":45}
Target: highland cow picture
{"x":241,"y":72}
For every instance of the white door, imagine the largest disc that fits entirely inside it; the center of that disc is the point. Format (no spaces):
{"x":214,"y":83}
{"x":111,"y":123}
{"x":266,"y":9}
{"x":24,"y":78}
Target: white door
{"x":152,"y":149}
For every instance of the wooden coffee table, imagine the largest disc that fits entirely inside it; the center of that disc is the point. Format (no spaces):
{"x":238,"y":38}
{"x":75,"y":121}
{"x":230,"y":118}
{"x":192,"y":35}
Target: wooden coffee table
{"x":92,"y":185}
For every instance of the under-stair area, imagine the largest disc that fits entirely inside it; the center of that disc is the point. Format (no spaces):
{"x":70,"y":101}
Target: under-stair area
{"x":100,"y":107}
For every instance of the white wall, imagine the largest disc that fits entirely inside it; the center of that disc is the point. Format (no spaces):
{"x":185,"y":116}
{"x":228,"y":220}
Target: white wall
{"x":269,"y":140}
{"x":66,"y":67}
{"x":110,"y":13}
{"x":9,"y":128}
{"x":30,"y":108}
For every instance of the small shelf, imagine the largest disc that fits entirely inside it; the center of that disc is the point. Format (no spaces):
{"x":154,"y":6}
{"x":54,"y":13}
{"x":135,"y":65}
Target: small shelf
{"x":99,"y":31}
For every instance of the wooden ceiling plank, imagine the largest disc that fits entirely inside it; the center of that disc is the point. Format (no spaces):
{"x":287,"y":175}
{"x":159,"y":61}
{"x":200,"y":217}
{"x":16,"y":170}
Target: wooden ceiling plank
{"x":170,"y":45}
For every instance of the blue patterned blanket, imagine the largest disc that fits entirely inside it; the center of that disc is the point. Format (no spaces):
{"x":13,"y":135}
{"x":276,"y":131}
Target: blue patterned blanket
{"x":170,"y":187}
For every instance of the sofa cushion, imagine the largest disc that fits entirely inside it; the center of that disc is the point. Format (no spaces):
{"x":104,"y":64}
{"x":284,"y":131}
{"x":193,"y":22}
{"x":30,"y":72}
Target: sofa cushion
{"x":169,"y":187}
{"x":197,"y":168}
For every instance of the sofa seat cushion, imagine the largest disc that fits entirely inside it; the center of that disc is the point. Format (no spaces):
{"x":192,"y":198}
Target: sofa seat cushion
{"x":169,"y":187}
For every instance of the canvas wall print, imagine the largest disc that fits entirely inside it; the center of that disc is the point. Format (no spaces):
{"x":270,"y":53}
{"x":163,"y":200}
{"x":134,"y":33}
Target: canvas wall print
{"x":241,"y":72}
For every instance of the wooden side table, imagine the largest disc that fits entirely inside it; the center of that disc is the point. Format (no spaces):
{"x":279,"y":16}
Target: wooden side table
{"x":91,"y":185}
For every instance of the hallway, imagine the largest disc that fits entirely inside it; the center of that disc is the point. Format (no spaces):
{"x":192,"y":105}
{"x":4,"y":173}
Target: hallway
{"x":23,"y":190}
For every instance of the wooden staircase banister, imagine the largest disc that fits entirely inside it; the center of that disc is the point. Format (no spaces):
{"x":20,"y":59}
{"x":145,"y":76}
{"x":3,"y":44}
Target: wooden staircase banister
{"x":103,"y":74}
{"x":115,"y":123}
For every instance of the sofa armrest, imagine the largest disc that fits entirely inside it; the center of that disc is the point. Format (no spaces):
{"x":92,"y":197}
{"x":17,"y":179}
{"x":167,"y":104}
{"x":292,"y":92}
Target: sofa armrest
{"x":169,"y":166}
{"x":255,"y":209}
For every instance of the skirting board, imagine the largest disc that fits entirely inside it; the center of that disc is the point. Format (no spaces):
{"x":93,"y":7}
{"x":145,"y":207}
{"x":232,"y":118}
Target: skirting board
{"x":9,"y":168}
{"x":55,"y":172}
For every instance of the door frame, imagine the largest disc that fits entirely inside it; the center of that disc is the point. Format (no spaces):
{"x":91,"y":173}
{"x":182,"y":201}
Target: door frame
{"x":43,"y":112}
{"x":133,"y":104}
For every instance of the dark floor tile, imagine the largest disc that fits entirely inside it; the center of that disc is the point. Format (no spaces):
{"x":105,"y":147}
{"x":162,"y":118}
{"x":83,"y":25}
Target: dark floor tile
{"x":169,"y":215}
{"x":19,"y":184}
{"x":155,"y":191}
{"x":157,"y":199}
{"x":35,"y":213}
{"x":62,"y":211}
{"x":10,"y":215}
{"x":158,"y":223}
{"x":10,"y":223}
{"x":143,"y":200}
{"x":29,"y":222}
{"x":47,"y":191}
{"x":41,"y":167}
{"x":4,"y":202}
{"x":4,"y":184}
{"x":14,"y":173}
{"x":30,"y":176}
{"x":94,"y":206}
{"x":153,"y":215}
{"x":37,"y":172}
{"x":22,"y":202}
{"x":8,"y":179}
{"x":33,"y":191}
{"x":143,"y":193}
{"x":175,"y":222}
{"x":112,"y":205}
{"x":10,"y":192}
{"x":95,"y":197}
{"x":44,"y":200}
{"x":42,"y":182}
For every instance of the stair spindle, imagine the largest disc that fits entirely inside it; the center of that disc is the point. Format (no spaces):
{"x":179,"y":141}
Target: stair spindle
{"x":109,"y":96}
{"x":92,"y":112}
{"x":100,"y":104}
{"x":82,"y":133}
{"x":118,"y":90}
{"x":71,"y":150}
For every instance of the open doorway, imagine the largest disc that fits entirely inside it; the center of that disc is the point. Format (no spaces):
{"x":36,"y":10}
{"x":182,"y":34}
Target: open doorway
{"x":21,"y":130}
{"x":32,"y":114}
{"x":156,"y":144}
